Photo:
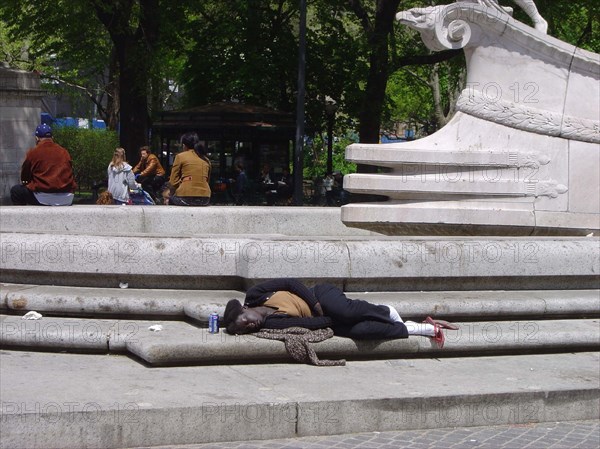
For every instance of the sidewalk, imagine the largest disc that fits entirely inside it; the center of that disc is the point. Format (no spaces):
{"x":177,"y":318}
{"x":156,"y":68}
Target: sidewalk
{"x":53,"y":400}
{"x":560,"y":435}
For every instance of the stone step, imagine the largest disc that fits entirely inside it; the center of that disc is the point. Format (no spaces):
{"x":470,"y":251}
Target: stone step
{"x":366,"y":263}
{"x":179,"y":221}
{"x":79,"y":400}
{"x":232,"y":248}
{"x":454,"y":217}
{"x":199,"y":304}
{"x":183,"y":343}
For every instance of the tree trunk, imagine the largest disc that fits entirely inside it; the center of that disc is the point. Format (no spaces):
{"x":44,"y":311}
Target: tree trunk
{"x":133,"y":124}
{"x":374,"y":96}
{"x":134,"y":33}
{"x":443,"y":113}
{"x":380,"y":67}
{"x":434,"y":83}
{"x":112,"y":91}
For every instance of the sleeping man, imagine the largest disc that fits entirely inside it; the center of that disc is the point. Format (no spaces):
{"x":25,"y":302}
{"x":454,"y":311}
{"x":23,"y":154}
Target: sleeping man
{"x":284,"y":303}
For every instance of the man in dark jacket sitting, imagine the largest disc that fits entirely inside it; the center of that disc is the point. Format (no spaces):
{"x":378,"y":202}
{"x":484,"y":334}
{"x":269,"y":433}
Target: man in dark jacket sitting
{"x":285,"y":303}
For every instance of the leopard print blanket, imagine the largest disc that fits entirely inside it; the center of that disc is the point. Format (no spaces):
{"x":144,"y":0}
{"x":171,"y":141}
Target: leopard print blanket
{"x":297,"y":341}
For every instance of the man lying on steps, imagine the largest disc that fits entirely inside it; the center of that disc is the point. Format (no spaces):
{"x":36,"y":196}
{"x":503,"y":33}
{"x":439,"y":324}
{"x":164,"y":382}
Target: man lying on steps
{"x":284,"y":303}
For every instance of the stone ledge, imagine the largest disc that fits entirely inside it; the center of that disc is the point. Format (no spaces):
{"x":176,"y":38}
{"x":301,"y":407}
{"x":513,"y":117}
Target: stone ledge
{"x":198,"y":304}
{"x":455,"y":218}
{"x":182,"y":343}
{"x":191,"y":345}
{"x":178,"y":221}
{"x":375,"y":263}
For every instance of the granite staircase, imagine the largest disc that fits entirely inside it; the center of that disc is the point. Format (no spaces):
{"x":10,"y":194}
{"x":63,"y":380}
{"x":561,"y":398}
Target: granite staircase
{"x":103,"y":277}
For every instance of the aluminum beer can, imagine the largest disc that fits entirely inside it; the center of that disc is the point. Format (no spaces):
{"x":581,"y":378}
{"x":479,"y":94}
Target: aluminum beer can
{"x":213,"y":323}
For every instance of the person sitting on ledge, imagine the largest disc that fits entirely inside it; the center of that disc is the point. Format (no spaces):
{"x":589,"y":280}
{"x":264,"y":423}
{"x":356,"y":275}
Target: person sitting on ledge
{"x":286,"y":302}
{"x":190,"y":174}
{"x":47,"y":177}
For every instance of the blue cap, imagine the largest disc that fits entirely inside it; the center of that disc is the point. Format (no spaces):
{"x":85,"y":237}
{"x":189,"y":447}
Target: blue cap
{"x":43,"y":130}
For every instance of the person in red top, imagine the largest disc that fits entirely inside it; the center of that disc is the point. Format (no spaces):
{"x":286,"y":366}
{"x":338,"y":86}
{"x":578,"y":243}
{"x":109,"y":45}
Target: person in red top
{"x":46,"y":174}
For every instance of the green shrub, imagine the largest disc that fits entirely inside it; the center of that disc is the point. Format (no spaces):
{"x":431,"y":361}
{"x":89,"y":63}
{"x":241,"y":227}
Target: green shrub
{"x":315,"y":156}
{"x":91,"y":150}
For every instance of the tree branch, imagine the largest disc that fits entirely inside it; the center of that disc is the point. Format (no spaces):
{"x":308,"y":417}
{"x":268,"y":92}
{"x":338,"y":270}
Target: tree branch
{"x":587,"y":31}
{"x":85,"y":90}
{"x":432,"y":58}
{"x":360,"y":12}
{"x":417,"y":77}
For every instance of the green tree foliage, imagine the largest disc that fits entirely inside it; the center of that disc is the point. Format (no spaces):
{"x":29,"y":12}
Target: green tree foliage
{"x":63,"y":42}
{"x":112,"y":51}
{"x":410,"y":102}
{"x":241,"y":50}
{"x":336,"y":65}
{"x":12,"y":50}
{"x":377,"y":71}
{"x":247,"y":51}
{"x":91,"y":151}
{"x":315,"y":156}
{"x":423,"y":97}
{"x":576,"y":22}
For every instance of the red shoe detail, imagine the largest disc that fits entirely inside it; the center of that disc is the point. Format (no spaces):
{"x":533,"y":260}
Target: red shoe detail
{"x":439,"y":337}
{"x":442,"y":323}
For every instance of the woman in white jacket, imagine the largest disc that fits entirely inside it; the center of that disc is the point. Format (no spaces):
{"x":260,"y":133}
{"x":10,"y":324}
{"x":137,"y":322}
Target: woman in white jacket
{"x":120,"y":178}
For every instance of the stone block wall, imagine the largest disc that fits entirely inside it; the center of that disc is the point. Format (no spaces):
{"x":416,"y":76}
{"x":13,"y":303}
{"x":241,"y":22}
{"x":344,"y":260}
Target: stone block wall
{"x":20,"y":107}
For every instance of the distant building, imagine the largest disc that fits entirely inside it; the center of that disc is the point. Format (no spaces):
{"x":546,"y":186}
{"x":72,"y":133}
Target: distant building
{"x":232,"y":133}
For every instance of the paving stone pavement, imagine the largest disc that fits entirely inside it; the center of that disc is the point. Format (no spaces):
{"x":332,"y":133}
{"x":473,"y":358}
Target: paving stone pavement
{"x":558,"y":435}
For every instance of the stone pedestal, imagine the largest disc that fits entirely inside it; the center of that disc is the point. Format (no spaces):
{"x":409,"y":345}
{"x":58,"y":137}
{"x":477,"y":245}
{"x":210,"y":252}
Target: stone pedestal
{"x":520,"y":157}
{"x":20,"y":106}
